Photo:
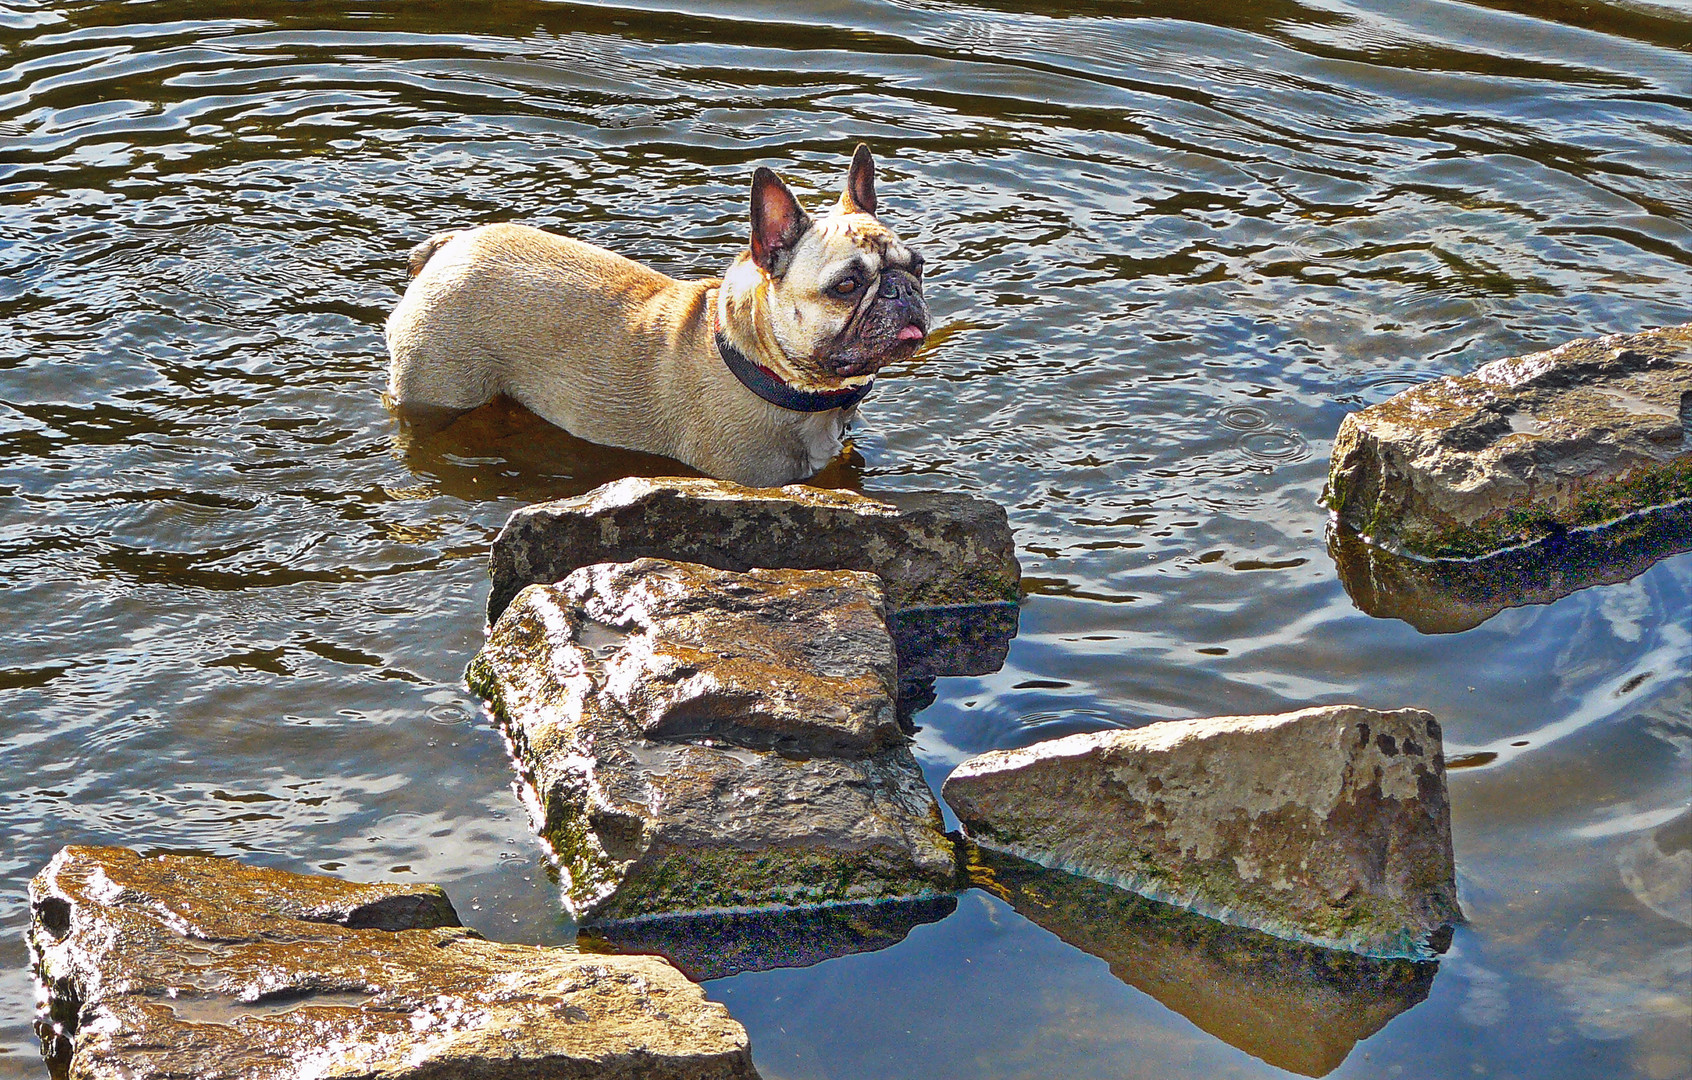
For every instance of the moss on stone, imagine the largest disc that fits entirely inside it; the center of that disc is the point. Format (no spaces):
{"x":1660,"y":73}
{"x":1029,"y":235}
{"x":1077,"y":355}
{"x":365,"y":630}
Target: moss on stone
{"x":1599,"y":503}
{"x":716,"y":879}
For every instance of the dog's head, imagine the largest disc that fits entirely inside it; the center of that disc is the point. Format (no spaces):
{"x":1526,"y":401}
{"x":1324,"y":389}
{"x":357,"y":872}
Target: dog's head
{"x":824,"y":303}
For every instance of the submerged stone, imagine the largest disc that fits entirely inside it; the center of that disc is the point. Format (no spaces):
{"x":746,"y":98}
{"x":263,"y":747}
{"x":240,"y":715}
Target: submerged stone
{"x":700,"y":741}
{"x":930,"y":548}
{"x":729,"y":943}
{"x":1298,"y":1007}
{"x":1522,"y":449}
{"x":1444,"y":596}
{"x":179,"y":966}
{"x":1328,"y":825}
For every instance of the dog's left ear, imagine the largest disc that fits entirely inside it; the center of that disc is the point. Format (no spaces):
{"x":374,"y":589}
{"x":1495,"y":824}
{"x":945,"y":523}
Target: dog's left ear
{"x":858,"y":197}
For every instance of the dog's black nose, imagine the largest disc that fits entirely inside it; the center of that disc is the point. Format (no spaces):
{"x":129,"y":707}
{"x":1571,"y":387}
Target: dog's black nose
{"x":897,"y":284}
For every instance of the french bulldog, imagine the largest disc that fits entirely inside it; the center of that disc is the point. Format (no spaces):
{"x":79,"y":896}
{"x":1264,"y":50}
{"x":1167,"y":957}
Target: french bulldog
{"x":750,"y":378}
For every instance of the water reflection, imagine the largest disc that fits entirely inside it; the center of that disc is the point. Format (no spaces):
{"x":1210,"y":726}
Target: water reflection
{"x":1448,"y":596}
{"x":719,"y":946}
{"x":1297,"y":1007}
{"x":503,"y":451}
{"x":1657,"y":869}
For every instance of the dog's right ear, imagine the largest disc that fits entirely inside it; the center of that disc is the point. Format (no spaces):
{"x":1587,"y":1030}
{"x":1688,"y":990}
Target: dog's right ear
{"x":778,"y":221}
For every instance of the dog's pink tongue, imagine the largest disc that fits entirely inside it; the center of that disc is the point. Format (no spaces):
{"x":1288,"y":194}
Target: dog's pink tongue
{"x":912,"y":332}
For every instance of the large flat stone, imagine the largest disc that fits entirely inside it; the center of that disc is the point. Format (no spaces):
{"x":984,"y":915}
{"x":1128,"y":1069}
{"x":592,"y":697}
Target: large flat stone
{"x":1298,"y":1007}
{"x":703,"y":741}
{"x":180,"y":966}
{"x":930,"y":548}
{"x":1522,"y":449}
{"x":1329,"y":825}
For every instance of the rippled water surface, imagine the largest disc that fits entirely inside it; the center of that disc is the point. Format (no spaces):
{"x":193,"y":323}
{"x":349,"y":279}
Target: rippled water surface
{"x":1172,"y":244}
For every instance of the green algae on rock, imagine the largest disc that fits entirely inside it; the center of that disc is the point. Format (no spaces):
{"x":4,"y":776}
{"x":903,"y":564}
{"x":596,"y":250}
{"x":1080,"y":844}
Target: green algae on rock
{"x":1298,"y":1007}
{"x":187,"y":966}
{"x":698,"y":740}
{"x":1329,"y":825}
{"x":930,"y":548}
{"x":1521,"y":449}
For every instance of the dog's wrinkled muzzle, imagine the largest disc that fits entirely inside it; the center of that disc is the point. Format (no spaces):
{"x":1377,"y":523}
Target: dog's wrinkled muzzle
{"x":894,"y":327}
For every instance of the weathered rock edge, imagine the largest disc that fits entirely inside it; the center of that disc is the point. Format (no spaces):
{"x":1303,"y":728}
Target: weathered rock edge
{"x":930,"y":548}
{"x":177,"y":966}
{"x":1521,"y":449}
{"x":1328,"y":825}
{"x":650,"y":744}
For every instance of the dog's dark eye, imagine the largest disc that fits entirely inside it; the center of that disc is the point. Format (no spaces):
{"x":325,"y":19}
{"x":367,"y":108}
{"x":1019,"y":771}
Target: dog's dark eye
{"x":847,"y":286}
{"x":916,"y":265}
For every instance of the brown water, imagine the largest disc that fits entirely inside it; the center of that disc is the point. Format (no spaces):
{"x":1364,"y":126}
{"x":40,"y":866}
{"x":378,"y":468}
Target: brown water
{"x":1171,"y":245}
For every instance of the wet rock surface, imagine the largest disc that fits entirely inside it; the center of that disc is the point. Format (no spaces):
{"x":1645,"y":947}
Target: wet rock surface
{"x":699,"y":740}
{"x":1445,"y":596}
{"x":1298,"y":1007}
{"x":730,"y":943}
{"x":930,"y":548}
{"x":180,"y":966}
{"x":1521,"y":449}
{"x":1329,"y":825}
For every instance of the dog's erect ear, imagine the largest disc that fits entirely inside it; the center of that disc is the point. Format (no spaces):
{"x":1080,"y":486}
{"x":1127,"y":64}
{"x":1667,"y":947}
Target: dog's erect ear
{"x":778,"y":221}
{"x":858,"y":197}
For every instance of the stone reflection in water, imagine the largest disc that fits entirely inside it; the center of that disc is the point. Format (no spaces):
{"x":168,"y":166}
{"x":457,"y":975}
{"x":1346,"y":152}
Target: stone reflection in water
{"x":1298,"y":1007}
{"x":962,"y":639}
{"x":935,"y":642}
{"x":1657,"y":869}
{"x":718,"y":946}
{"x":1450,"y":595}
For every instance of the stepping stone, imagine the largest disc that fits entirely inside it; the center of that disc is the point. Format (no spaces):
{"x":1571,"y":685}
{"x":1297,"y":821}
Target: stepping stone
{"x":185,"y":966}
{"x":930,"y":548}
{"x":703,"y":741}
{"x":1522,"y":449}
{"x":1329,"y":825}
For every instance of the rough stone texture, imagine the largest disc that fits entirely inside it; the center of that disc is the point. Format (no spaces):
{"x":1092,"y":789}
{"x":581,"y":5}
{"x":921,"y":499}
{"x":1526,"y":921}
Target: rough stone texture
{"x":1298,"y":1007}
{"x":196,"y":967}
{"x":718,"y":946}
{"x":1328,"y":825}
{"x":699,"y":740}
{"x":1444,"y":596}
{"x":1521,"y":449}
{"x":780,"y":660}
{"x":930,"y":548}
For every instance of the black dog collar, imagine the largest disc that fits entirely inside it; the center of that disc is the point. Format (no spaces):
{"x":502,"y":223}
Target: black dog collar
{"x":773,"y":389}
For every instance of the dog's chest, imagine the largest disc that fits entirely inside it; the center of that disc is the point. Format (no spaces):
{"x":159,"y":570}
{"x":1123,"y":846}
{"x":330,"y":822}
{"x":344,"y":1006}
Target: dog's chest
{"x":821,"y":436}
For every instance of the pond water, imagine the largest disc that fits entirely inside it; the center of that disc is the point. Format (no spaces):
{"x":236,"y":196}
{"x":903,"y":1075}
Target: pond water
{"x":1171,"y":245}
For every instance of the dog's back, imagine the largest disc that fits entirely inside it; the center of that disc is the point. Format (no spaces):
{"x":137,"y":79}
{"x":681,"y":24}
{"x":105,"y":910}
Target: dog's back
{"x":509,"y":309}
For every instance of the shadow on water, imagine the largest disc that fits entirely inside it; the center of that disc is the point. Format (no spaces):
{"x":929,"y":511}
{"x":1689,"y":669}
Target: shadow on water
{"x":1449,"y":595}
{"x":708,"y":947}
{"x":1298,"y":1007}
